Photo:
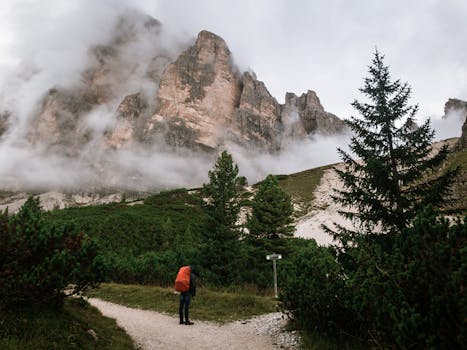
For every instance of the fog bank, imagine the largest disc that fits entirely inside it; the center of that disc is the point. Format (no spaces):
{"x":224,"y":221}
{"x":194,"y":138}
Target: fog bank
{"x":44,"y":45}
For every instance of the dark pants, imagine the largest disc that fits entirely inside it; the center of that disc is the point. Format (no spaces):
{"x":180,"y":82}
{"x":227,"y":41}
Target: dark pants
{"x":184,"y":302}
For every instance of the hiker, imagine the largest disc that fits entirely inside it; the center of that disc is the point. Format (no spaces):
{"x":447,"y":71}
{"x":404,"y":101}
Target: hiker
{"x":186,"y":285}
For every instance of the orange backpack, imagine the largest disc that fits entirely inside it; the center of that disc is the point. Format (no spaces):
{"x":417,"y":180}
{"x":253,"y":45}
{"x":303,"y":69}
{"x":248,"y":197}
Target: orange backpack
{"x":182,"y":282}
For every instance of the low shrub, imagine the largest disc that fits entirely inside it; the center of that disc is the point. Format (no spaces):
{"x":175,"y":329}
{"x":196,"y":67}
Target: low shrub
{"x":39,"y":261}
{"x":402,"y":290}
{"x":412,"y":292}
{"x":313,"y":290}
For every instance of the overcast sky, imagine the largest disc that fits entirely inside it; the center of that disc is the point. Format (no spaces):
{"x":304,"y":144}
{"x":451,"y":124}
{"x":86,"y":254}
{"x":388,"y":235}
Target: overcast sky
{"x":292,"y":45}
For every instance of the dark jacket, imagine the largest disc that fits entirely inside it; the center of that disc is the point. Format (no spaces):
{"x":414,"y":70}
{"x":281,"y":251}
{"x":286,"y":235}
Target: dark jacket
{"x":192,"y":284}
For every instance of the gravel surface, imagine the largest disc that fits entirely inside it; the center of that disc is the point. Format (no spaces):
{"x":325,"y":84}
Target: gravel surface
{"x":325,"y":210}
{"x":272,"y":325}
{"x":153,"y":330}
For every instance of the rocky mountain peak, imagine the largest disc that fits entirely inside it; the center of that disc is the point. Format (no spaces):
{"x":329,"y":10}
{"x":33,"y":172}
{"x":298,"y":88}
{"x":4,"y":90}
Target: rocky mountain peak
{"x":257,"y":99}
{"x":312,"y":100}
{"x":305,"y":115}
{"x":198,"y":100}
{"x":197,"y":95}
{"x":132,"y":106}
{"x":136,"y":91}
{"x":257,"y":117}
{"x":307,"y":100}
{"x":455,"y":104}
{"x":211,"y":48}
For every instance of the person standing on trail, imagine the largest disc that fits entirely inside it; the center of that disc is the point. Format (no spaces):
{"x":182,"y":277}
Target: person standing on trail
{"x":185,"y":283}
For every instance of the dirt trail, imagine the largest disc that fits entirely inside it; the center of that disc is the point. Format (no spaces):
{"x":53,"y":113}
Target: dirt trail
{"x":153,"y":330}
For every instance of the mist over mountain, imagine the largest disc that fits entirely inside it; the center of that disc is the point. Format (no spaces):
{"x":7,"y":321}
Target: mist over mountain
{"x":455,"y":116}
{"x":115,"y":100}
{"x":145,"y":109}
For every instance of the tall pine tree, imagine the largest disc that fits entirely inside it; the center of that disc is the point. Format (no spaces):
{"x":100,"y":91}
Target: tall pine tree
{"x":221,"y":246}
{"x":392,"y":176}
{"x":271,"y":215}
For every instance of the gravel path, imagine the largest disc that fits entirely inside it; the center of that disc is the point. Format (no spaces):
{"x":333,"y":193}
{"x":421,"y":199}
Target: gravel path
{"x":153,"y":330}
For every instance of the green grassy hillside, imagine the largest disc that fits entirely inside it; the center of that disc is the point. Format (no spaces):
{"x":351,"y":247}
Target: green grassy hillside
{"x":131,"y":229}
{"x":145,"y":241}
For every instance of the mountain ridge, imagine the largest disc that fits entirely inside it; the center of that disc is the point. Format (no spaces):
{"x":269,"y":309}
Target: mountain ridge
{"x":195,"y":99}
{"x":143,"y":115}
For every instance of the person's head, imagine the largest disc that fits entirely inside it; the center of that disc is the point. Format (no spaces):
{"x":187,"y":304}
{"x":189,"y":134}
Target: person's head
{"x":194,"y":269}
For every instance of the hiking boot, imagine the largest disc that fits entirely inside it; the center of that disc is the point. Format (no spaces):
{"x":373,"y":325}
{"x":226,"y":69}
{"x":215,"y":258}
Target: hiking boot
{"x":181,"y":322}
{"x":188,"y":323}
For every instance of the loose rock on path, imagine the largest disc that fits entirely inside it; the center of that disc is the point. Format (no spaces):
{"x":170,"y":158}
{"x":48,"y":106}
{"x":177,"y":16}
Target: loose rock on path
{"x":153,"y":330}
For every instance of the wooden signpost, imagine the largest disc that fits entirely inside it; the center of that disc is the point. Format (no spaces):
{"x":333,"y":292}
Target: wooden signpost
{"x":274,"y":257}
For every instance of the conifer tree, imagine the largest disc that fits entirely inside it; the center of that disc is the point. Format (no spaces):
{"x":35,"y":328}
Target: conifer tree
{"x":271,"y":216}
{"x":392,"y":176}
{"x":221,"y":246}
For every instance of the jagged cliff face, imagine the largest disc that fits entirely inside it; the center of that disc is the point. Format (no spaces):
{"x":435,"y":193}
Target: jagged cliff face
{"x":197,"y":95}
{"x":257,"y":118}
{"x":139,"y":99}
{"x":196,"y":100}
{"x":460,"y":107}
{"x":204,"y":101}
{"x":312,"y":118}
{"x":59,"y":121}
{"x":113,"y":75}
{"x":130,"y":119}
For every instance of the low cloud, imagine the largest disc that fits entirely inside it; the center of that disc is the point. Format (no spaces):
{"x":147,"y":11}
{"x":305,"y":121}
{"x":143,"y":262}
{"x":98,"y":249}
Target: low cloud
{"x":297,"y":156}
{"x":48,"y":46}
{"x":449,"y":125}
